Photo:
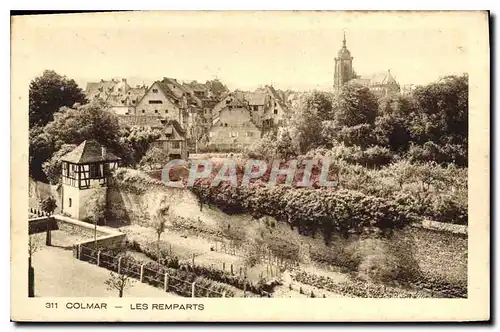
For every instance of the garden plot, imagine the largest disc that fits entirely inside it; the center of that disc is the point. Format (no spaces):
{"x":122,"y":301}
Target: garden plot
{"x":187,"y":248}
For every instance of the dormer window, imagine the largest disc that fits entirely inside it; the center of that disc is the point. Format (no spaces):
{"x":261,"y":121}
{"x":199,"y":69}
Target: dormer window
{"x":155,"y":90}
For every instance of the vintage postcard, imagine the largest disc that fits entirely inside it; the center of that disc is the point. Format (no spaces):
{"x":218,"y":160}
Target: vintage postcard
{"x":250,"y":166}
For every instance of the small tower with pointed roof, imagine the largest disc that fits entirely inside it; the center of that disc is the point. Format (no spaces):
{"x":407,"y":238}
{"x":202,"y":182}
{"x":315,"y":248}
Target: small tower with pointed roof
{"x":88,"y":166}
{"x":343,"y":67}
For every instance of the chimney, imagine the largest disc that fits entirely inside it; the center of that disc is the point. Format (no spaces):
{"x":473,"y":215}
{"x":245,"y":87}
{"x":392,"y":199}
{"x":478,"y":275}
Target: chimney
{"x":124,"y":80}
{"x":103,"y":152}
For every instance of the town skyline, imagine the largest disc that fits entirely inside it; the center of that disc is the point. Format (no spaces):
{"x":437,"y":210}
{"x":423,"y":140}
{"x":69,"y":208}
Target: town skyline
{"x":247,"y":50}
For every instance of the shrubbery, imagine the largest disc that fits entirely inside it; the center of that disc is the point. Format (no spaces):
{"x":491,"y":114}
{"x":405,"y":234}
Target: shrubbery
{"x":358,"y":288}
{"x":310,"y":210}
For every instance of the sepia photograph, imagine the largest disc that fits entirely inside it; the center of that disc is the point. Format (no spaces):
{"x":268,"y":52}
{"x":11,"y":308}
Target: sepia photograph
{"x":172,"y":157}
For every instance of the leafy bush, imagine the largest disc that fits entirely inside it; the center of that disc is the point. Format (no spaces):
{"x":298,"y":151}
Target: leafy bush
{"x":310,"y":210}
{"x":357,"y":288}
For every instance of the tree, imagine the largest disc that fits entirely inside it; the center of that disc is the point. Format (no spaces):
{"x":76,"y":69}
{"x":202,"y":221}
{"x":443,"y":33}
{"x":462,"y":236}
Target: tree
{"x":308,"y":113}
{"x":120,"y":282}
{"x":33,"y":247}
{"x":40,"y":150}
{"x":138,"y":139}
{"x":361,"y":135}
{"x":160,"y":223}
{"x":154,"y":156}
{"x":48,"y":205}
{"x":90,"y":121}
{"x":394,"y":121}
{"x":355,"y":105}
{"x":443,"y":109}
{"x":96,"y":208}
{"x":48,"y":93}
{"x":284,"y":145}
{"x":52,"y":167}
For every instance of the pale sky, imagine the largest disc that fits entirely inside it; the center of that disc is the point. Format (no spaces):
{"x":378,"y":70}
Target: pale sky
{"x":291,"y":50}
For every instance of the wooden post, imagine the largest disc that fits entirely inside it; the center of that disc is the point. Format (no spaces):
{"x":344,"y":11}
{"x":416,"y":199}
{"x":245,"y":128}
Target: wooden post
{"x":193,"y":259}
{"x":165,"y":283}
{"x":240,"y":271}
{"x":170,"y":249}
{"x":231,"y":269}
{"x":98,"y":257}
{"x":223,"y":266}
{"x":79,"y":252}
{"x":193,"y":287}
{"x":245,"y":287}
{"x":141,"y":278}
{"x":119,"y":264}
{"x":48,"y":237}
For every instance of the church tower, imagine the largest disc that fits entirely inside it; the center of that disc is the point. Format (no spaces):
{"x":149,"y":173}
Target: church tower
{"x":343,"y":68}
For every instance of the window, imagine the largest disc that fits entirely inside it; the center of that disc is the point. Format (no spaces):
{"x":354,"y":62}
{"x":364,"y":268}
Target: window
{"x":69,"y":202}
{"x":166,"y":111}
{"x":155,"y":90}
{"x":275,"y":111}
{"x":225,"y":124}
{"x":156,"y":111}
{"x":156,"y":102}
{"x":95,"y":171}
{"x":249,"y":134}
{"x":233,"y":134}
{"x":133,"y":101}
{"x":143,"y":111}
{"x":176,"y":145}
{"x":123,"y":101}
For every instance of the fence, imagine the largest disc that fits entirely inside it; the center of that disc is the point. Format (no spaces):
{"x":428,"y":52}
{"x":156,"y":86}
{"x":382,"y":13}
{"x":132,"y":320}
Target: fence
{"x":262,"y":255}
{"x":145,"y":274}
{"x":35,"y":212}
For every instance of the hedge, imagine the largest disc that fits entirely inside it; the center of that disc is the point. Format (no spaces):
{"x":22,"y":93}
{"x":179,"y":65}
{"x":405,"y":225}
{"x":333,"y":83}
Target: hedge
{"x":330,"y":211}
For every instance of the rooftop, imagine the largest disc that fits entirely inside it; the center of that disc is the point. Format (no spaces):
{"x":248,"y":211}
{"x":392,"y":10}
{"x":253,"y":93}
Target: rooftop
{"x":89,"y":151}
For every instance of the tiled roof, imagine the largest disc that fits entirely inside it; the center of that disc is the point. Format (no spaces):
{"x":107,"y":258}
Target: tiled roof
{"x":95,"y":87}
{"x":255,"y":98}
{"x":362,"y":81}
{"x":180,"y":90}
{"x":136,"y":93}
{"x":153,"y":121}
{"x":383,"y":78}
{"x":195,"y":86}
{"x":116,"y":100}
{"x":89,"y":151}
{"x":176,"y":125}
{"x":277,"y":97}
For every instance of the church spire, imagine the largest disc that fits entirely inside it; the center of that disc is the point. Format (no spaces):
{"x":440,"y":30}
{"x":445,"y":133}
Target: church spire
{"x":344,"y":42}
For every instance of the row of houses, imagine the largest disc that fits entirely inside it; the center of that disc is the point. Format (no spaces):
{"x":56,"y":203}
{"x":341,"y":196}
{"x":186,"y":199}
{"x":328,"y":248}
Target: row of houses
{"x":194,"y":115}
